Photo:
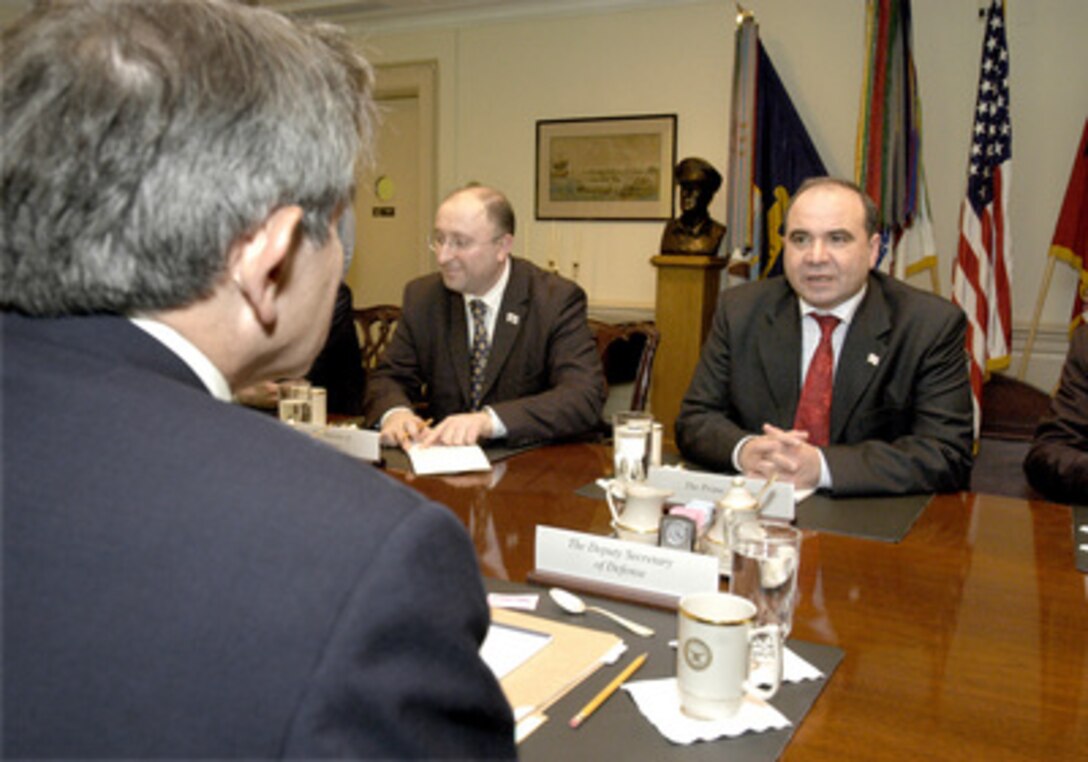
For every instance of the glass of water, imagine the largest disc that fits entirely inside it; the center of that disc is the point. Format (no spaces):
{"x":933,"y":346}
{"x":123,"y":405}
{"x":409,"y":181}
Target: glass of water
{"x":631,"y":445}
{"x":295,"y":405}
{"x":766,"y":557}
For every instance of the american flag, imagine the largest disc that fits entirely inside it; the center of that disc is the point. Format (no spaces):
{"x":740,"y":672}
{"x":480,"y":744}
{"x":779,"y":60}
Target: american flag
{"x":983,"y":267}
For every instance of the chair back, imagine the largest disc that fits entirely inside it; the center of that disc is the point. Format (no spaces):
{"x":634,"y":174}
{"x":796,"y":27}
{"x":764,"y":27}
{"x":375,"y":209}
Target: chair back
{"x":375,"y":326}
{"x":627,"y":353}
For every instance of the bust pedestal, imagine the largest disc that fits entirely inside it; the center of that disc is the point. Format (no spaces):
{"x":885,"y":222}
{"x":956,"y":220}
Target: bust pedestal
{"x":687,"y":293}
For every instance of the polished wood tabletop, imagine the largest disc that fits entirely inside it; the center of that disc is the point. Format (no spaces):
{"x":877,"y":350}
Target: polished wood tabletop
{"x":967,"y":640}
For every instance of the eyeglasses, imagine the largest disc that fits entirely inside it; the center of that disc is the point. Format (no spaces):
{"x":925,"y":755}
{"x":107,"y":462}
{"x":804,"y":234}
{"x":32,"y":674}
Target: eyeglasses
{"x":437,"y":241}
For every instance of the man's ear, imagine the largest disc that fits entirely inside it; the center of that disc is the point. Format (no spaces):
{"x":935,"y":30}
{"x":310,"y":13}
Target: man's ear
{"x":506,"y":247}
{"x":258,"y":262}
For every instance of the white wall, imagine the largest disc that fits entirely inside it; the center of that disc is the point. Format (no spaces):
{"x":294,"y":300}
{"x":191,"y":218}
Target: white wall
{"x":497,"y":78}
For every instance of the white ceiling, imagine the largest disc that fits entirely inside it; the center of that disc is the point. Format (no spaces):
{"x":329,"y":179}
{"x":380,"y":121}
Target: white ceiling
{"x":385,"y":8}
{"x":385,"y":14}
{"x":377,"y":14}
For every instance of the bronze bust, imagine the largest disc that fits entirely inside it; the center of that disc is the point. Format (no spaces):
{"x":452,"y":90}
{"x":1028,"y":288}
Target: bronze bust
{"x":693,"y":232}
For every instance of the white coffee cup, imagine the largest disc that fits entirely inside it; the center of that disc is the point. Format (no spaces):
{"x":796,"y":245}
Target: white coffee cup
{"x":716,"y":633}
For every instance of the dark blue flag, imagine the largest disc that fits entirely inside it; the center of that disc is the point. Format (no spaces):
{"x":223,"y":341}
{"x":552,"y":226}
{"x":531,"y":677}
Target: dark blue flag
{"x":785,"y":157}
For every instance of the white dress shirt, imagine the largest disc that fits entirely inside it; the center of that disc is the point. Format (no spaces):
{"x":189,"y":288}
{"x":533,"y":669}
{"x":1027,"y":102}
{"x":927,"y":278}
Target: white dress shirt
{"x":213,"y":380}
{"x":493,"y":300}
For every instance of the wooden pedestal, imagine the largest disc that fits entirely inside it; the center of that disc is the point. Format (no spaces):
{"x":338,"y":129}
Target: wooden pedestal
{"x":687,"y":293}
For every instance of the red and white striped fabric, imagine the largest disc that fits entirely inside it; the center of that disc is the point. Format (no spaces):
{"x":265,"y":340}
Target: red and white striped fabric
{"x":983,"y":269}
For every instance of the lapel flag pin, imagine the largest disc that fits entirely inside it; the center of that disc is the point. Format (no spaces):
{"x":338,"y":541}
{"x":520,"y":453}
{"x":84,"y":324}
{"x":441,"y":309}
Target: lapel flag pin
{"x":873,"y":360}
{"x":512,"y":318}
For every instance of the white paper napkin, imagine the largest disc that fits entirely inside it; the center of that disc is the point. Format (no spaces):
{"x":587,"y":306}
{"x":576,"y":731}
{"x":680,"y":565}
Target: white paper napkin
{"x":796,"y":670}
{"x":659,"y":702}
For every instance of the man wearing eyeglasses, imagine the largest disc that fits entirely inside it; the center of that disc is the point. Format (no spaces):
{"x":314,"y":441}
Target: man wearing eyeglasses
{"x":492,"y":346}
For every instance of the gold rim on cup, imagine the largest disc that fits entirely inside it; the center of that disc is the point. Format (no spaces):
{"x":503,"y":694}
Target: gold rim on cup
{"x":716,"y":621}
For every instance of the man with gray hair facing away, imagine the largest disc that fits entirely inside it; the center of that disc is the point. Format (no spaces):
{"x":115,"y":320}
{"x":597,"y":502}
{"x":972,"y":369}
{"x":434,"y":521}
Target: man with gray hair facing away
{"x":183,"y":577}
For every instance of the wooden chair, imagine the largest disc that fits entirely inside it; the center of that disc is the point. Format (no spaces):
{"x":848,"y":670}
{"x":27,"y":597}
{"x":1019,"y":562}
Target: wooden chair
{"x":375,"y":326}
{"x":627,"y":352}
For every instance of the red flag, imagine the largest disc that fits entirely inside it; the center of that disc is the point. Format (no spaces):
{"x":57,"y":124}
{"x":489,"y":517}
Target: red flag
{"x":1070,"y":243}
{"x":983,"y":267}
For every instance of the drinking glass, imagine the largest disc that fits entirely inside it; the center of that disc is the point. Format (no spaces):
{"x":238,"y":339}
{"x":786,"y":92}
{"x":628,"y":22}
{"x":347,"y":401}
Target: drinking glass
{"x":295,"y":405}
{"x":631,"y":445}
{"x":766,"y":557}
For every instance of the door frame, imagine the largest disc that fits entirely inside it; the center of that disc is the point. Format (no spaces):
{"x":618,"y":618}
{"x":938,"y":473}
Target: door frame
{"x":417,"y":80}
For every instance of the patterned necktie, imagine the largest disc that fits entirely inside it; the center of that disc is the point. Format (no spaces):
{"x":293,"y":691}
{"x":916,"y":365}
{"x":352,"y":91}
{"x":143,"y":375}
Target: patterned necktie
{"x":481,"y":347}
{"x":814,"y":407}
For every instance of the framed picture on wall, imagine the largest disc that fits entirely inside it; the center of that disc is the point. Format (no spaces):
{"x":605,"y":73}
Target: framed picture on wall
{"x":609,"y":168}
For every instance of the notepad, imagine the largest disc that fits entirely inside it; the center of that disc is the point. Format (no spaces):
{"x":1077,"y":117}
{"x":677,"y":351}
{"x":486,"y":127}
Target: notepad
{"x":572,"y":655}
{"x":448,"y":459}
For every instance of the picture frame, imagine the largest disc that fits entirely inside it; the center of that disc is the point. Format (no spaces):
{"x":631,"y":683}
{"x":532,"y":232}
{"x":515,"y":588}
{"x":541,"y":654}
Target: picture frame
{"x":606,"y":168}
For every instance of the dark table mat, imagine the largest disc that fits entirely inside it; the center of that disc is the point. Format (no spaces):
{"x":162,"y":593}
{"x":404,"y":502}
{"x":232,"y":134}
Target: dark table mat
{"x":396,"y":458}
{"x":1080,"y":539}
{"x":887,"y":519}
{"x":618,"y":730}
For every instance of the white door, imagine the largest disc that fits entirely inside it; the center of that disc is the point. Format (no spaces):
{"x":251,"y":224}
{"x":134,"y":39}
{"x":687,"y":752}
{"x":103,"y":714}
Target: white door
{"x":394,"y":201}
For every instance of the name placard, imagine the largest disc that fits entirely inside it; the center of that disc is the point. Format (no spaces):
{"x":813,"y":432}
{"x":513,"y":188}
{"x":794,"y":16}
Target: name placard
{"x":624,"y":564}
{"x":356,"y":442}
{"x":686,"y":485}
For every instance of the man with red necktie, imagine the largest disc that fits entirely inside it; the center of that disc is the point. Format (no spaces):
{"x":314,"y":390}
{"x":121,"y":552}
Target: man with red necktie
{"x":835,"y":376}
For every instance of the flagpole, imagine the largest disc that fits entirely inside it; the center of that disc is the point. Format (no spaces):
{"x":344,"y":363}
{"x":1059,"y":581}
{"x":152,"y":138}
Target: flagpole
{"x":1044,"y":289}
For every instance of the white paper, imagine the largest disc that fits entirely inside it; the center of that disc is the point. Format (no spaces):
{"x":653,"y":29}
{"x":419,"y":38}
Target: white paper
{"x":523,"y":601}
{"x":448,"y":459}
{"x":506,"y":648}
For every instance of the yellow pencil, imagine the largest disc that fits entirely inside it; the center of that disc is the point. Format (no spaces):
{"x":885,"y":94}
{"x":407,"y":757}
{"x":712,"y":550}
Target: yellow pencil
{"x":609,"y":689}
{"x":402,"y":438}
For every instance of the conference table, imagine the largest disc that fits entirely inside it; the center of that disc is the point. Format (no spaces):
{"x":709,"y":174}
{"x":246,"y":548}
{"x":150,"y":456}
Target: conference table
{"x":967,"y":639}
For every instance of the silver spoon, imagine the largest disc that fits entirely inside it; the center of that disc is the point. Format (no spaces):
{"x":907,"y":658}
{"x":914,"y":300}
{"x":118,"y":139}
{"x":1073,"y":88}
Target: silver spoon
{"x":572,"y":604}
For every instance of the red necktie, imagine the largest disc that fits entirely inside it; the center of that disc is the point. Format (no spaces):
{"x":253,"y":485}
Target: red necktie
{"x":814,"y":407}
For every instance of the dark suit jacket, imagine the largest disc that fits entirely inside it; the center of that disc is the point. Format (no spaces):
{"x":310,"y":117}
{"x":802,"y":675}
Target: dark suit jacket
{"x":901,"y":416}
{"x":1057,"y":463}
{"x":187,"y":578}
{"x":543,"y":377}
